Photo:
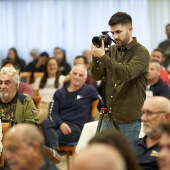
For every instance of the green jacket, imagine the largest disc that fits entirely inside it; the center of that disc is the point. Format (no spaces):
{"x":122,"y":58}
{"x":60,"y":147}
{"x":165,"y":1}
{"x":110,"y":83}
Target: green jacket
{"x":126,"y":80}
{"x":26,"y":111}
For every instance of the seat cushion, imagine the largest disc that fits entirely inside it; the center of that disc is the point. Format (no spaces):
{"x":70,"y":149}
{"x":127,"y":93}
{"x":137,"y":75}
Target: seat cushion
{"x":69,"y":144}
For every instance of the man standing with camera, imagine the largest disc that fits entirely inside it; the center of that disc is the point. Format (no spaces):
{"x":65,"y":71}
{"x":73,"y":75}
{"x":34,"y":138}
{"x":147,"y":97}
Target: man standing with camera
{"x":126,"y":66}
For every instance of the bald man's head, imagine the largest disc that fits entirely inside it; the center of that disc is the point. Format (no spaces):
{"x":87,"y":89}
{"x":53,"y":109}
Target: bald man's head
{"x":155,"y":112}
{"x":157,"y":102}
{"x":23,"y":146}
{"x":99,"y":157}
{"x":25,"y":132}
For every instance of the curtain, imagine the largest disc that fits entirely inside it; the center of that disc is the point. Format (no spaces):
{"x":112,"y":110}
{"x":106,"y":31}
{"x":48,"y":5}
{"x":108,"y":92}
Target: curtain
{"x":71,"y":24}
{"x":159,"y":17}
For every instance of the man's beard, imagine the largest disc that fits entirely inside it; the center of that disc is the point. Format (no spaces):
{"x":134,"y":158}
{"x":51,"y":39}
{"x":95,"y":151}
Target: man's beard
{"x":124,"y":42}
{"x":150,"y":131}
{"x":4,"y":95}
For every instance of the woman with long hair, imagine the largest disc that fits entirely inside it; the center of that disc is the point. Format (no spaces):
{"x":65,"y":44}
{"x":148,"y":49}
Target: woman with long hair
{"x":13,"y":56}
{"x":46,"y":86}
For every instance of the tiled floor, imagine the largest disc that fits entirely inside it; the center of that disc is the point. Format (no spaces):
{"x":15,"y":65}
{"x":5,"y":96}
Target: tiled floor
{"x":63,"y":164}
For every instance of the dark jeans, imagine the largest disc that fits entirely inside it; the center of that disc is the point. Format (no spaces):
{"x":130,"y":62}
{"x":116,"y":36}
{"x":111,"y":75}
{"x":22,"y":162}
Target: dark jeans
{"x":54,"y":136}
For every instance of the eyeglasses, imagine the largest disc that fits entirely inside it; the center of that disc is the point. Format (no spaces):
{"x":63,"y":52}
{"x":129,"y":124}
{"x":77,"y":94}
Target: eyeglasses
{"x":152,"y":113}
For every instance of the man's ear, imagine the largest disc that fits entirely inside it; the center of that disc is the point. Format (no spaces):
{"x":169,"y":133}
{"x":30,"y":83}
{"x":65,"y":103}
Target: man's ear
{"x":163,"y":59}
{"x":130,"y":29}
{"x":36,"y":148}
{"x":167,"y":115}
{"x":85,"y":80}
{"x":18,"y":71}
{"x":16,"y":85}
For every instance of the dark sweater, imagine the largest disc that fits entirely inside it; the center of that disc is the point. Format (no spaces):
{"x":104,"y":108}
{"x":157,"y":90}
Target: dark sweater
{"x":160,"y":89}
{"x":73,"y":107}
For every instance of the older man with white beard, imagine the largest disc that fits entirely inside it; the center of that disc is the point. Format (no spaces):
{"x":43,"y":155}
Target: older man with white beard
{"x":156,"y":111}
{"x":14,"y":106}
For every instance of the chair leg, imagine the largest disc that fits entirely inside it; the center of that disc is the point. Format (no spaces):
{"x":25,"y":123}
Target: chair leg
{"x":68,"y":160}
{"x":2,"y":158}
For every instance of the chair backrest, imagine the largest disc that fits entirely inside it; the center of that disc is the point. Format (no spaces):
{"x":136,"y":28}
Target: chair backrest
{"x":37,"y":100}
{"x":94,"y":105}
{"x":5,"y":128}
{"x":26,"y":76}
{"x":37,"y":74}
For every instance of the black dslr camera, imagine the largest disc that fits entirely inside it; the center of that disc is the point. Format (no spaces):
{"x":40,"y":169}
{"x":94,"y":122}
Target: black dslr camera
{"x":97,"y":41}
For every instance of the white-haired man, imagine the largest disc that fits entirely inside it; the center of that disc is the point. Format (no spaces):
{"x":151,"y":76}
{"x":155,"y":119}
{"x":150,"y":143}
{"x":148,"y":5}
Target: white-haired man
{"x":71,"y":110}
{"x":155,"y":84}
{"x":14,"y":106}
{"x":156,"y":111}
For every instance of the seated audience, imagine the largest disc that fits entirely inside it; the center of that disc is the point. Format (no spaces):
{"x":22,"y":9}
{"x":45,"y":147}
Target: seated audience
{"x":156,"y":86}
{"x":46,"y":86}
{"x":99,"y":157}
{"x":158,"y":55}
{"x":59,"y":55}
{"x":83,"y":60}
{"x":88,"y":55}
{"x":14,"y":106}
{"x":23,"y":149}
{"x":34,"y":53}
{"x":156,"y":111}
{"x":38,"y":66}
{"x":80,"y":60}
{"x":116,"y":140}
{"x":23,"y":88}
{"x":164,"y":145}
{"x":165,"y":46}
{"x":13,"y":56}
{"x":71,"y":110}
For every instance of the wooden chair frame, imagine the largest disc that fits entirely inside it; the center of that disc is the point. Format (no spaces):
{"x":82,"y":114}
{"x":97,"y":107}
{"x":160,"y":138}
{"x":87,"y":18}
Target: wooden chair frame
{"x":37,"y":74}
{"x":37,"y":100}
{"x":5,"y":128}
{"x":26,"y":75}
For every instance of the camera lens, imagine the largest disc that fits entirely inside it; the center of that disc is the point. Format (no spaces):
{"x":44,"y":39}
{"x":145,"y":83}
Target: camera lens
{"x":97,"y":41}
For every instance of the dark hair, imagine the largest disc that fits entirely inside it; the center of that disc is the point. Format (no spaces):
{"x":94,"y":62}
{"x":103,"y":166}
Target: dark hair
{"x":160,"y":50}
{"x":64,"y":53}
{"x":167,"y":25}
{"x":44,"y":54}
{"x":15,"y":64}
{"x":83,"y":57}
{"x":45,"y":75}
{"x":5,"y":62}
{"x":16,"y":54}
{"x":165,"y":128}
{"x":118,"y":141}
{"x":120,"y":18}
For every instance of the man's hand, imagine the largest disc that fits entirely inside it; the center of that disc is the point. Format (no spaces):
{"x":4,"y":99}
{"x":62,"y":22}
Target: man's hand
{"x":65,"y":128}
{"x":98,"y":52}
